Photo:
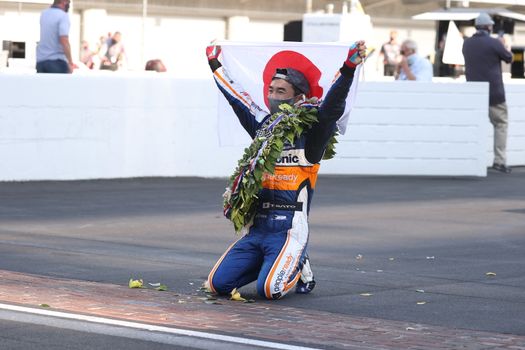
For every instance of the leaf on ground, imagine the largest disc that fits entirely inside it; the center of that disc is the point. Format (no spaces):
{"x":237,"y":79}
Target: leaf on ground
{"x":491,"y":274}
{"x":135,"y":283}
{"x":44,"y":305}
{"x":391,"y":259}
{"x":212,"y":302}
{"x":236,"y":296}
{"x":162,"y":288}
{"x":180,"y":301}
{"x":420,"y":290}
{"x":431,"y":257}
{"x":421,"y":302}
{"x":359,"y":257}
{"x":366,"y":294}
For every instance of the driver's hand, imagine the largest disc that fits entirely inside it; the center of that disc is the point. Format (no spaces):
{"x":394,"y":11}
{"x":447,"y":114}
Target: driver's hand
{"x":213,"y":51}
{"x":356,"y":54}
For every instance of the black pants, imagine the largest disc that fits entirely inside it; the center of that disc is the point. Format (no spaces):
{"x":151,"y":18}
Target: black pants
{"x":390,"y":70}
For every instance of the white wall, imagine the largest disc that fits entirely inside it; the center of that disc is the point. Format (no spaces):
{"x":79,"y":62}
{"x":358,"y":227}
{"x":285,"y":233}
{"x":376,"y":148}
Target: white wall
{"x":415,"y":128}
{"x":66,"y":127}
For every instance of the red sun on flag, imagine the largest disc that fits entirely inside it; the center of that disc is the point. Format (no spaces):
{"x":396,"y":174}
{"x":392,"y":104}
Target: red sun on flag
{"x":295,"y":60}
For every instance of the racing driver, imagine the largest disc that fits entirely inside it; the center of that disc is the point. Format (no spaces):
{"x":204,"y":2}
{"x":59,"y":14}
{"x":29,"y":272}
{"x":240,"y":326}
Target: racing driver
{"x":273,"y":251}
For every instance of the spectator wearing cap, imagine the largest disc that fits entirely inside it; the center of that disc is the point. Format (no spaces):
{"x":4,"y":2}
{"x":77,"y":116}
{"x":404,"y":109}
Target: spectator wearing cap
{"x":483,"y":55}
{"x":412,"y":65}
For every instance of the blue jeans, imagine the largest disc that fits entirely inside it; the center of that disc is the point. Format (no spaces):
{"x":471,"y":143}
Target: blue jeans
{"x":52,"y":66}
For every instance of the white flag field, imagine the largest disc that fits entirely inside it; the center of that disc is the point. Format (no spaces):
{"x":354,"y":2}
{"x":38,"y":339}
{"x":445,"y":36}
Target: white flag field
{"x":247,"y":62}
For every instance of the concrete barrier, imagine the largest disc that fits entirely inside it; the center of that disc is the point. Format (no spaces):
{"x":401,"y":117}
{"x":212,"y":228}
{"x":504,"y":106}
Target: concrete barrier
{"x":63,"y":127}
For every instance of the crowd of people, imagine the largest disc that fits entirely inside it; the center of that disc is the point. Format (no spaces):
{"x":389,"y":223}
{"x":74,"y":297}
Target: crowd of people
{"x":109,"y":53}
{"x":54,"y":49}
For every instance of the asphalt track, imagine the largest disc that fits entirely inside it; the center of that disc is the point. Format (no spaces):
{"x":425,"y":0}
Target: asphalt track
{"x":432,"y":250}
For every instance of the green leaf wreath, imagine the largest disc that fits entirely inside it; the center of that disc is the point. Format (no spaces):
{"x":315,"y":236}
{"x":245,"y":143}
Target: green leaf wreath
{"x":241,"y":196}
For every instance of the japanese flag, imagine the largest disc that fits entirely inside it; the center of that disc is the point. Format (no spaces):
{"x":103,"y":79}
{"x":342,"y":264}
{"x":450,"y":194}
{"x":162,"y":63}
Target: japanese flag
{"x":252,"y":64}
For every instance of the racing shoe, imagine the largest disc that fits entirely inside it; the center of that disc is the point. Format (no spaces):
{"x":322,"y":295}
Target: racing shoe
{"x":306,"y":283}
{"x":304,"y":288}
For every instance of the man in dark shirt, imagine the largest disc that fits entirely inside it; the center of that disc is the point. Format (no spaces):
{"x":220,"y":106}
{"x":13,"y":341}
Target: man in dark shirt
{"x":483,"y":55}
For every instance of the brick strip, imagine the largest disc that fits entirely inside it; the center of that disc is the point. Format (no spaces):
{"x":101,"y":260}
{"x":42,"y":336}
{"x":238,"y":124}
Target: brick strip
{"x":264,"y":321}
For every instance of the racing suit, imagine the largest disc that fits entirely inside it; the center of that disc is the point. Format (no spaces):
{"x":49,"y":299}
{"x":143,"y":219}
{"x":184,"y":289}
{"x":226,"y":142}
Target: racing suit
{"x":273,"y":249}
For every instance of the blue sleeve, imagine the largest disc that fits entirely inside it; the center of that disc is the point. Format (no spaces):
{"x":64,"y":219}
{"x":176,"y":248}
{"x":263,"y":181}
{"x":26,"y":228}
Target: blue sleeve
{"x":330,"y":110}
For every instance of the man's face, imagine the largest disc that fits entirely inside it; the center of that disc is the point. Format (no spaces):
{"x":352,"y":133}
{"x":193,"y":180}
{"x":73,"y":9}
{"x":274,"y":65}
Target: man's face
{"x":393,"y":36}
{"x":280,"y":90}
{"x":405,"y":51}
{"x":66,"y":4}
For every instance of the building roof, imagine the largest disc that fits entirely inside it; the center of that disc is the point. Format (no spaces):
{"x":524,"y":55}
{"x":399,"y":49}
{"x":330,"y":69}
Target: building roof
{"x":467,"y":14}
{"x":268,"y":9}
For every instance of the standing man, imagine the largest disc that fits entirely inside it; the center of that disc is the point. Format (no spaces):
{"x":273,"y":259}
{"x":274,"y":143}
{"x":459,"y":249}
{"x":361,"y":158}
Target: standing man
{"x":53,"y":54}
{"x":412,"y":65}
{"x":483,"y":55}
{"x":390,"y":52}
{"x":273,"y":251}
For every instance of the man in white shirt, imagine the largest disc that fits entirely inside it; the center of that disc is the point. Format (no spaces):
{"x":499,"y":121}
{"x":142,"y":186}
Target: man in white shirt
{"x":412,"y":65}
{"x":53,"y":53}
